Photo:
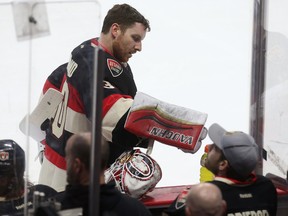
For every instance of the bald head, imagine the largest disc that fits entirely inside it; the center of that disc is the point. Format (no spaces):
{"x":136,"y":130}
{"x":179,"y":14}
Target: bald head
{"x":205,"y":199}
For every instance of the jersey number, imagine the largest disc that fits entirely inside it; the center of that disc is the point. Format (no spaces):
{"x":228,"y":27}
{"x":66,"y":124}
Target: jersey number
{"x":60,"y":115}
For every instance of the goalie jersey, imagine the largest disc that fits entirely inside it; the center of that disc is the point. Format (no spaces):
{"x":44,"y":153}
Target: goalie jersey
{"x":74,"y":113}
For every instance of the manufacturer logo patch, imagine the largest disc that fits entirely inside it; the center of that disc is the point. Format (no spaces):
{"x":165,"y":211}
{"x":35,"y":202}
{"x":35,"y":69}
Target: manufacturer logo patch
{"x":114,"y":67}
{"x":181,"y":199}
{"x":4,"y":156}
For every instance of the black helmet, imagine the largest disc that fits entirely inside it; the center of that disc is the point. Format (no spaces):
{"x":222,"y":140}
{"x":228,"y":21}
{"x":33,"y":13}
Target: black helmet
{"x":12,"y":158}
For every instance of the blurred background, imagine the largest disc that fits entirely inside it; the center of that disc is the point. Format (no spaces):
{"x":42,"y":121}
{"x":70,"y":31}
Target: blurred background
{"x":198,"y":55}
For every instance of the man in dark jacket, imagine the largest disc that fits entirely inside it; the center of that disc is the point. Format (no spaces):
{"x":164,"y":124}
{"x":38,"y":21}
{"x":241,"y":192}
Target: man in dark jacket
{"x":232,"y":158}
{"x":76,"y":194}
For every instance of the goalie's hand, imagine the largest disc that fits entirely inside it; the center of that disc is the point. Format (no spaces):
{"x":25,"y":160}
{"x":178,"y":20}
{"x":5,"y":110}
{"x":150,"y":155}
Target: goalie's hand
{"x":45,"y":125}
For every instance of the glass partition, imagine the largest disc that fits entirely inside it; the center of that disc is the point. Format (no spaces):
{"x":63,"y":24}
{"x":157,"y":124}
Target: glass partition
{"x":214,"y":61}
{"x":69,"y":24}
{"x":269,"y":94}
{"x":37,"y":37}
{"x":197,"y":55}
{"x":275,"y":136}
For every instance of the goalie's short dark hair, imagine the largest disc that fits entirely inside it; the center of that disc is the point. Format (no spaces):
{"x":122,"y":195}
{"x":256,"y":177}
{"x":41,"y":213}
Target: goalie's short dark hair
{"x":125,"y":16}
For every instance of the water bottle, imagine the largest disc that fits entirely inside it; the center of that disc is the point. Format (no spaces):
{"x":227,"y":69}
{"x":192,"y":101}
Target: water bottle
{"x":205,"y":174}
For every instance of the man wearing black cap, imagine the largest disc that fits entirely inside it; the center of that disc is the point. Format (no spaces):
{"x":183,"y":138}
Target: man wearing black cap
{"x":232,"y":158}
{"x":12,"y":167}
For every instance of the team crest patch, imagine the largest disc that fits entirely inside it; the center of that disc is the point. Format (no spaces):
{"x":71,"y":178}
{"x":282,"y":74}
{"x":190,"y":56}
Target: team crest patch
{"x":114,"y":67}
{"x":181,"y":199}
{"x":4,"y":156}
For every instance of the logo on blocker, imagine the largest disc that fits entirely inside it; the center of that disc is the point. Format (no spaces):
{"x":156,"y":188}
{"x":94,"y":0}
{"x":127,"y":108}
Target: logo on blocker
{"x":114,"y":67}
{"x":4,"y":156}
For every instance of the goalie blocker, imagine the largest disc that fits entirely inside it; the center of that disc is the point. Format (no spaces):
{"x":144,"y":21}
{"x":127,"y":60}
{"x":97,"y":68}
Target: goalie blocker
{"x":167,"y":123}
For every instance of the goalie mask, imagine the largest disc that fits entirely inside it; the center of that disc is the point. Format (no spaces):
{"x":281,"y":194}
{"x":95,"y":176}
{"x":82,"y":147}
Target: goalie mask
{"x":135,"y":173}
